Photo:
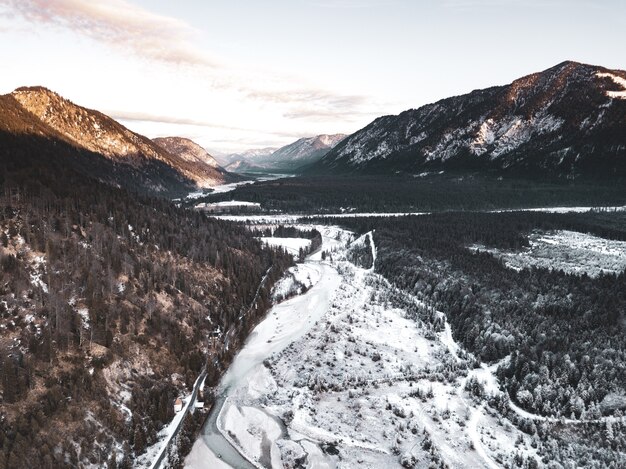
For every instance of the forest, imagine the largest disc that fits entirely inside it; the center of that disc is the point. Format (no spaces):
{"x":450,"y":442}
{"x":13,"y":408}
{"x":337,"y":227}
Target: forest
{"x":559,"y":337}
{"x":432,"y":192}
{"x":108,"y":301}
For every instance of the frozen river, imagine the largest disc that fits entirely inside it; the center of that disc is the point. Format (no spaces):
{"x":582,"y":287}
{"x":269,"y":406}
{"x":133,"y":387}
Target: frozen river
{"x":286,"y":322}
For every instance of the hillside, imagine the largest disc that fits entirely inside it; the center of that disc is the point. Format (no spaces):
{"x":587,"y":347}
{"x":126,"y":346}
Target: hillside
{"x":38,"y":121}
{"x":107,"y":301}
{"x":568,"y":121}
{"x":191,"y":152}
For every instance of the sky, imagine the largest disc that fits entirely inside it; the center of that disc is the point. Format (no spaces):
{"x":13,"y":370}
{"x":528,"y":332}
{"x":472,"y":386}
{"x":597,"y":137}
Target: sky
{"x":242,"y":74}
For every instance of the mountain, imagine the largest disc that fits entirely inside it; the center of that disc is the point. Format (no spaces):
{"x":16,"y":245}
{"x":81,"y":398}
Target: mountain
{"x":39,"y":123}
{"x":191,"y":152}
{"x":302,"y":152}
{"x":567,"y":121}
{"x":226,"y":160}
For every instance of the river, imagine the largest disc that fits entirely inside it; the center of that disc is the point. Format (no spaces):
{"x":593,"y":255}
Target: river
{"x":285,"y":322}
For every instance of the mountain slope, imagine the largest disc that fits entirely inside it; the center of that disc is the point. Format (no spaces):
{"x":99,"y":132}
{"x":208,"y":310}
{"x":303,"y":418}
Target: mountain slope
{"x":94,"y":144}
{"x":569,"y":120}
{"x":106,"y":302}
{"x":302,"y":152}
{"x":226,"y":160}
{"x":192,"y":153}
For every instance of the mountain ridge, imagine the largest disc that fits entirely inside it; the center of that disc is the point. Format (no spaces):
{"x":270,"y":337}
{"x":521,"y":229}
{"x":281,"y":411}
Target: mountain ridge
{"x":97,"y":145}
{"x":558,"y":120}
{"x":291,"y":157}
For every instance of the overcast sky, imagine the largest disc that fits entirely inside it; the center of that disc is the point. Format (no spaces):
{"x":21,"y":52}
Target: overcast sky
{"x":239,"y":74}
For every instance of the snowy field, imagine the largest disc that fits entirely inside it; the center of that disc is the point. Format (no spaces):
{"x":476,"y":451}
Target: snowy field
{"x":569,"y":251}
{"x":366,"y":387}
{"x":340,"y":378}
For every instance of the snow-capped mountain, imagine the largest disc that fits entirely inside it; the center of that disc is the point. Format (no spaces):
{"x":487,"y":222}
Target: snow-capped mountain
{"x":98,"y":146}
{"x":302,"y":152}
{"x":569,"y":120}
{"x":247,"y":155}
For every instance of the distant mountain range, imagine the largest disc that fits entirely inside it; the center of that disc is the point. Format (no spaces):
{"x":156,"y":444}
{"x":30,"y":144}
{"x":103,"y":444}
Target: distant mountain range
{"x":248,"y":155}
{"x":36,"y":123}
{"x":567,"y":121}
{"x":290,"y":158}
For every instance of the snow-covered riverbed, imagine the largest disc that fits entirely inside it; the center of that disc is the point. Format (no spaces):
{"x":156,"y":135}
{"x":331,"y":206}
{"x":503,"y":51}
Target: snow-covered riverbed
{"x":348,"y":375}
{"x":286,"y":322}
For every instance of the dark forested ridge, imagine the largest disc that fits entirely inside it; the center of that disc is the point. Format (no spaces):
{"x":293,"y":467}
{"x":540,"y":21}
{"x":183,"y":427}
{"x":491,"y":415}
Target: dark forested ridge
{"x":107,"y":302}
{"x":335,"y":194}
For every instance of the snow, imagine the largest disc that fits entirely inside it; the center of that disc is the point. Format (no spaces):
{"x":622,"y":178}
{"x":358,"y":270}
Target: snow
{"x":343,"y":364}
{"x":619,"y":81}
{"x":570,"y":251}
{"x":250,"y":428}
{"x":296,"y":280}
{"x":286,"y":322}
{"x":223,"y":188}
{"x":291,"y":245}
{"x":505,"y":135}
{"x":291,"y":219}
{"x":202,"y":457}
{"x":227,"y":204}
{"x":38,"y":267}
{"x":150,"y":458}
{"x":344,"y":369}
{"x":84,"y":315}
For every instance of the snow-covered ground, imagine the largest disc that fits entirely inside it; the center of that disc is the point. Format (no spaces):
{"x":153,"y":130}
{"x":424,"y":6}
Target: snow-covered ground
{"x":617,"y":80}
{"x":291,"y":245}
{"x":221,"y":189}
{"x":227,"y":204}
{"x":296,"y":281}
{"x":338,"y":377}
{"x":569,"y":251}
{"x":365,"y":382}
{"x":285,"y":323}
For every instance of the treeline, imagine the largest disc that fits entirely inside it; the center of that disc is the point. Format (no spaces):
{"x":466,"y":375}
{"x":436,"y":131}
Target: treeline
{"x":282,"y":231}
{"x":436,"y":192}
{"x":104,"y":292}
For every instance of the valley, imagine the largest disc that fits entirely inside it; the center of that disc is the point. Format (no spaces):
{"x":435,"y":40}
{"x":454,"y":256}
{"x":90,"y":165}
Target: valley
{"x":312,"y":235}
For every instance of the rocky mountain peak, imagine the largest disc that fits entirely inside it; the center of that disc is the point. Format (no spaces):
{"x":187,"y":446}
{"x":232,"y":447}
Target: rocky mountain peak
{"x":557,"y":120}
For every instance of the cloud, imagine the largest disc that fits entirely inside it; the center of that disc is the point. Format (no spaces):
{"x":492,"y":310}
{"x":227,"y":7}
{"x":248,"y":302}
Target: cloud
{"x":161,"y":119}
{"x":119,"y":24}
{"x":324,"y":115}
{"x":470,"y":4}
{"x":287,"y":96}
{"x":351,"y":4}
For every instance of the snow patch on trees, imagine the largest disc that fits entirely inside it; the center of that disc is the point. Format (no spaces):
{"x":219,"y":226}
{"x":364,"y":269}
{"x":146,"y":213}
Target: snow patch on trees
{"x":570,"y":251}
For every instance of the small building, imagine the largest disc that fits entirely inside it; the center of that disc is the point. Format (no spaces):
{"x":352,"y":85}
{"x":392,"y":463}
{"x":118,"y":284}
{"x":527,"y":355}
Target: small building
{"x":178,"y":404}
{"x":199,"y":405}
